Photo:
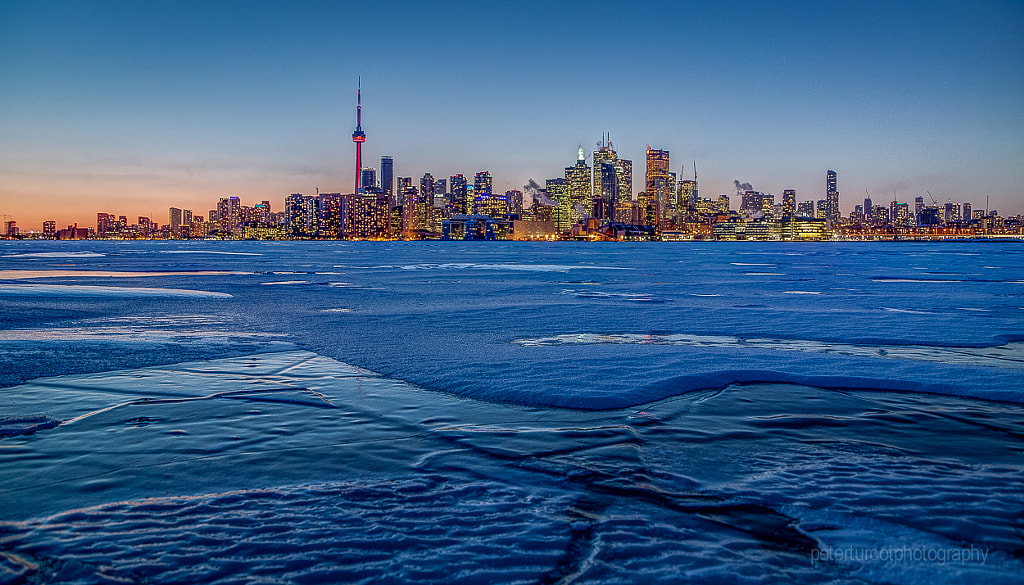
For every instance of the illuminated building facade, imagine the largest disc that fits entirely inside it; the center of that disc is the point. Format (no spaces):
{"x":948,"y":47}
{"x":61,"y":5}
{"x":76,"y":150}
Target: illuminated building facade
{"x":495,"y":206}
{"x":686,"y":198}
{"x":901,"y":216}
{"x":558,"y":191}
{"x":579,"y":202}
{"x":330,"y":207}
{"x":789,"y":202}
{"x":387,"y":177}
{"x":515,"y":202}
{"x":624,"y":171}
{"x":613,"y":184}
{"x":457,"y":196}
{"x":296,"y":215}
{"x":657,"y":183}
{"x":368,"y":180}
{"x":831,"y":197}
{"x":174,"y":220}
{"x":423,"y":204}
{"x":229,"y":214}
{"x":367,"y":215}
{"x":482,"y":184}
{"x":606,"y":182}
{"x":104,"y":223}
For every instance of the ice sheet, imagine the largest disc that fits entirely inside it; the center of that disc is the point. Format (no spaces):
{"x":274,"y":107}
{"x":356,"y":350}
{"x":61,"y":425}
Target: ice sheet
{"x":298,"y":466}
{"x":99,"y":291}
{"x":674,"y":419}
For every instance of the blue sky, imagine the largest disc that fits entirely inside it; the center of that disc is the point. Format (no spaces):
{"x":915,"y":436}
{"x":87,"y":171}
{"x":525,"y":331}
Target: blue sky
{"x":131,"y":107}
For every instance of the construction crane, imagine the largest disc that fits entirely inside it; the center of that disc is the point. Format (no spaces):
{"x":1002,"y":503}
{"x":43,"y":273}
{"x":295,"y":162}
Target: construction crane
{"x":934,"y":200}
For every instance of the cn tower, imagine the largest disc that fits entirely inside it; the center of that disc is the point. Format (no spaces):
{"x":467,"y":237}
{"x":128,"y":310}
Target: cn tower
{"x":359,"y":137}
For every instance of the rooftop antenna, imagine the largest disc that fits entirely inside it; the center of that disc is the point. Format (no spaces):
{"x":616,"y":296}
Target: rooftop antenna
{"x":695,"y":172}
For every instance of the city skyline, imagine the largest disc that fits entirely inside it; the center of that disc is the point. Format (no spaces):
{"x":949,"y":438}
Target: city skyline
{"x":130,"y":108}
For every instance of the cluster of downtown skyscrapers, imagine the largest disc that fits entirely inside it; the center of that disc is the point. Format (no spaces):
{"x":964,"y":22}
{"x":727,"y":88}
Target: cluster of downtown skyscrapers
{"x":587,"y":203}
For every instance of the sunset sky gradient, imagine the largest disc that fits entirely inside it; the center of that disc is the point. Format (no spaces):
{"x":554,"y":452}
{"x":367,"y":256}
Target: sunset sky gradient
{"x":132,"y":107}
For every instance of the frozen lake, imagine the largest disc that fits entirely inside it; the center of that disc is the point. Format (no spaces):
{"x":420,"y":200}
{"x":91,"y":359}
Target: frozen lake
{"x":241,"y":412}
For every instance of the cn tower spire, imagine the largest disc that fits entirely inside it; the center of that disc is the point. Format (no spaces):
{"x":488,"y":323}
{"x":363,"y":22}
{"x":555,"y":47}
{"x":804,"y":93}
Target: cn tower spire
{"x":359,"y":137}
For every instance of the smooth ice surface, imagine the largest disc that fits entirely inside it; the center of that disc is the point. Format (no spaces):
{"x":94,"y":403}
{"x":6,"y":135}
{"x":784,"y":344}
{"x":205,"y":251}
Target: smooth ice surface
{"x":452,"y":316}
{"x":25,"y":274}
{"x":66,"y":290}
{"x":499,"y":412}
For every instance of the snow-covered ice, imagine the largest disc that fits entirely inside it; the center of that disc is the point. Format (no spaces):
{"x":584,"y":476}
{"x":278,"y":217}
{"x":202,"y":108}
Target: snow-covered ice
{"x":512,"y":413}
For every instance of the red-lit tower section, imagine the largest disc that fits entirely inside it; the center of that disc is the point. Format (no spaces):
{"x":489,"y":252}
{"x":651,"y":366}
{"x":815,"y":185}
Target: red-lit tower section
{"x":359,"y":137}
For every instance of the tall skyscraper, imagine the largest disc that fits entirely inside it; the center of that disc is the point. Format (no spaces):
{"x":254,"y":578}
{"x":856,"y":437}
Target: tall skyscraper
{"x":482,"y":183}
{"x":424,"y":211}
{"x":368,"y":181}
{"x":613,"y":183}
{"x":580,"y":202}
{"x":427,"y":185}
{"x":229,"y":214}
{"x":695,"y":194}
{"x":311,"y":206}
{"x":515,"y":201}
{"x":657,"y":183}
{"x":404,"y":192}
{"x":387,"y":177}
{"x":103,"y":222}
{"x":900,"y":216}
{"x":457,"y":194}
{"x":624,"y":203}
{"x":558,"y":191}
{"x":606,"y":182}
{"x":482,"y":191}
{"x":951,"y":212}
{"x":685,"y":199}
{"x":441,"y":190}
{"x":329,"y":210}
{"x":789,"y":202}
{"x":295,"y":214}
{"x":752,"y":201}
{"x":359,"y":137}
{"x":831,"y":197}
{"x":174,"y":220}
